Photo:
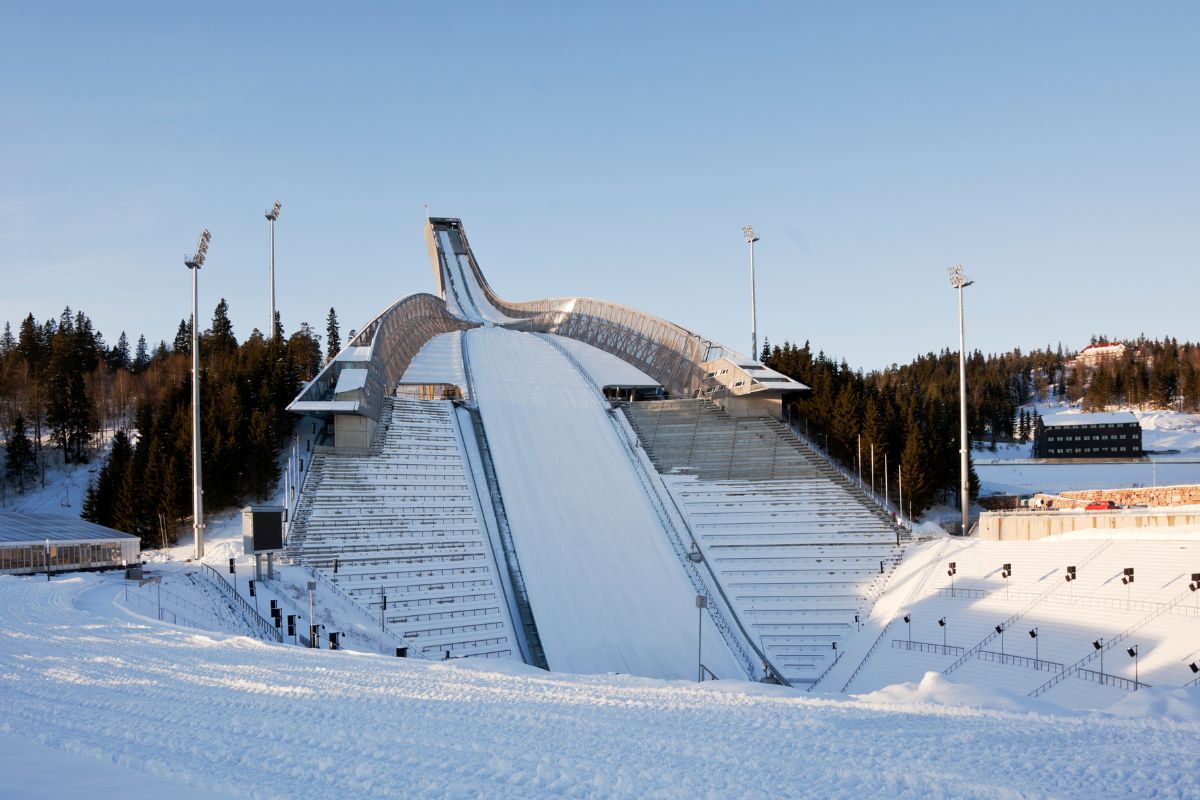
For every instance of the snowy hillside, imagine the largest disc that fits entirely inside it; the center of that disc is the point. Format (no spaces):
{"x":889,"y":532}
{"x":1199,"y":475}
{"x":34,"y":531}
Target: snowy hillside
{"x":98,"y":696}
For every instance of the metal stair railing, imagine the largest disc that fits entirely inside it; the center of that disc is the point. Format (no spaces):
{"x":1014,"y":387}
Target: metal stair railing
{"x":912,"y":595}
{"x":717,"y":610}
{"x":885,"y":509}
{"x":1025,"y":609}
{"x":1109,"y":644}
{"x":330,"y":584}
{"x":261,"y":627}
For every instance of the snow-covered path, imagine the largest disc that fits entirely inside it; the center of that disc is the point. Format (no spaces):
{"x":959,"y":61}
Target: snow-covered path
{"x":608,"y":592}
{"x":238,"y":718}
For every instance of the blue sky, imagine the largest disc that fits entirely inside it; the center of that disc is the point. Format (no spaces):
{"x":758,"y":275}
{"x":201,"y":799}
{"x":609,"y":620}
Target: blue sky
{"x":615,"y":151}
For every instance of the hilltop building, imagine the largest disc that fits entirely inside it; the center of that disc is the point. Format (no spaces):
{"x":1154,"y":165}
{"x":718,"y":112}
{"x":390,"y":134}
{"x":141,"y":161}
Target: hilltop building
{"x":1098,"y":353}
{"x":1102,"y":435}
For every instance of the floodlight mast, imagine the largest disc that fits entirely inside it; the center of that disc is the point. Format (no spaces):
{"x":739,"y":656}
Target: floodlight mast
{"x":960,"y":281}
{"x":751,"y":238}
{"x":271,"y":216}
{"x":194,"y":262}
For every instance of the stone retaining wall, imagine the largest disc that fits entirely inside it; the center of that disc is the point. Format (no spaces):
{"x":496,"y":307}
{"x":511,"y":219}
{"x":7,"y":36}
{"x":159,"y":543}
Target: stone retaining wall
{"x":1152,"y":496}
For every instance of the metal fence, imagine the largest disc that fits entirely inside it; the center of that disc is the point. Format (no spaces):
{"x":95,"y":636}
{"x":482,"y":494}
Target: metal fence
{"x":1019,"y":661}
{"x":927,"y":647}
{"x":1104,"y":679}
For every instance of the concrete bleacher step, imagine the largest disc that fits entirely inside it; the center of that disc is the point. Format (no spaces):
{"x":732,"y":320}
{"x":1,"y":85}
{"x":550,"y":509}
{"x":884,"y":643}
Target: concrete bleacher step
{"x":403,"y":520}
{"x":797,"y":548}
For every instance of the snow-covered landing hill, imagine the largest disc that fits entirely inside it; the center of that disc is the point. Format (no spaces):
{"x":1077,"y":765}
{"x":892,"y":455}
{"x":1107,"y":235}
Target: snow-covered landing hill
{"x":226,"y":716}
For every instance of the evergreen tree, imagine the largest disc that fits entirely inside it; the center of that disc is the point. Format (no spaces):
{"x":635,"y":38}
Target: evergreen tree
{"x":918,"y":493}
{"x":120,"y":354}
{"x":8,"y":344}
{"x":333,"y":338}
{"x":183,"y":339}
{"x":19,"y":460}
{"x":765,"y":353}
{"x":110,"y":481}
{"x":845,"y":421}
{"x":142,"y":356}
{"x":220,"y":335}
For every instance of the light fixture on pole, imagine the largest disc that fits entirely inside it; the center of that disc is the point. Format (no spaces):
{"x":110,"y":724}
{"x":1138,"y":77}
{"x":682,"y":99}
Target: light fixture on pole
{"x":1006,"y":573}
{"x":959,"y":281}
{"x":701,"y":604}
{"x":194,"y":262}
{"x":943,"y":626}
{"x":1099,"y":645}
{"x":1127,"y":579}
{"x":1033,"y":634}
{"x":751,"y":238}
{"x":271,"y":216}
{"x":952,"y":571}
{"x":908,"y":622}
{"x":1133,"y":653}
{"x":1000,"y":630}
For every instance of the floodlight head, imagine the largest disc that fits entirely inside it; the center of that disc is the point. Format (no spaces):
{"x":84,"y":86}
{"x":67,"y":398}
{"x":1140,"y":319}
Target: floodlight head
{"x":1194,"y":667}
{"x":751,"y":237}
{"x":999,"y":629}
{"x":1132,"y":651}
{"x":958,"y":278}
{"x":1098,"y":644}
{"x":1033,"y":634}
{"x":273,"y":214}
{"x":942,"y":622}
{"x":196,"y":260}
{"x":908,"y":617}
{"x":834,"y":645}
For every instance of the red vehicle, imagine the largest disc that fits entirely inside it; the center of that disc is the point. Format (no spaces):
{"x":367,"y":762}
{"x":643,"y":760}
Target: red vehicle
{"x":1101,"y":505}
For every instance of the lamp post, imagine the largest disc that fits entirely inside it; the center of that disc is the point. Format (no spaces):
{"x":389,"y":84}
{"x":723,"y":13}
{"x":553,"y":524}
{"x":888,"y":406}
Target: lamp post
{"x":1099,"y":645}
{"x":271,"y":216}
{"x":751,"y":238}
{"x":942,"y":625}
{"x":960,"y":281}
{"x":1033,"y":634}
{"x":908,"y":622}
{"x":701,"y":604}
{"x":1000,"y":630}
{"x":194,"y":262}
{"x":1133,"y":653}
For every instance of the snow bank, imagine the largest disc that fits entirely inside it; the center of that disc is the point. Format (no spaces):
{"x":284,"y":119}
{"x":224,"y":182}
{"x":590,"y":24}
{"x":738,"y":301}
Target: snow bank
{"x":934,"y":689}
{"x":1176,"y":704}
{"x":221,"y":716}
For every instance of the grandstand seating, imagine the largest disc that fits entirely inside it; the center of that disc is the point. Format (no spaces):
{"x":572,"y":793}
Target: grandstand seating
{"x":797,"y":552}
{"x":404,"y":522}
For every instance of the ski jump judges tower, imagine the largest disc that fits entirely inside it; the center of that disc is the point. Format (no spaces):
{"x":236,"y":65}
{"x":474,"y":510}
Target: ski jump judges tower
{"x":560,"y":480}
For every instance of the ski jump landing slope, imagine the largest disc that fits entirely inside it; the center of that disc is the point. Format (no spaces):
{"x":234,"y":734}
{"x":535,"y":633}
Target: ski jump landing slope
{"x":607,"y":591}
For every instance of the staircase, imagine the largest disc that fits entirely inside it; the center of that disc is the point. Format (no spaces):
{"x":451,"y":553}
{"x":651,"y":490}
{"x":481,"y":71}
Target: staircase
{"x":797,"y":548}
{"x":401,"y":532}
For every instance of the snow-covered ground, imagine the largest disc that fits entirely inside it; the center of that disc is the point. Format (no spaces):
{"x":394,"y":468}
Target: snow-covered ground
{"x":1007,"y":469}
{"x":99,"y":700}
{"x":1027,"y":478}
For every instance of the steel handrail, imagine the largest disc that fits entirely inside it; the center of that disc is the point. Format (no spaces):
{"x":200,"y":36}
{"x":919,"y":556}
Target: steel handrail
{"x":652,"y":492}
{"x":266,"y":630}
